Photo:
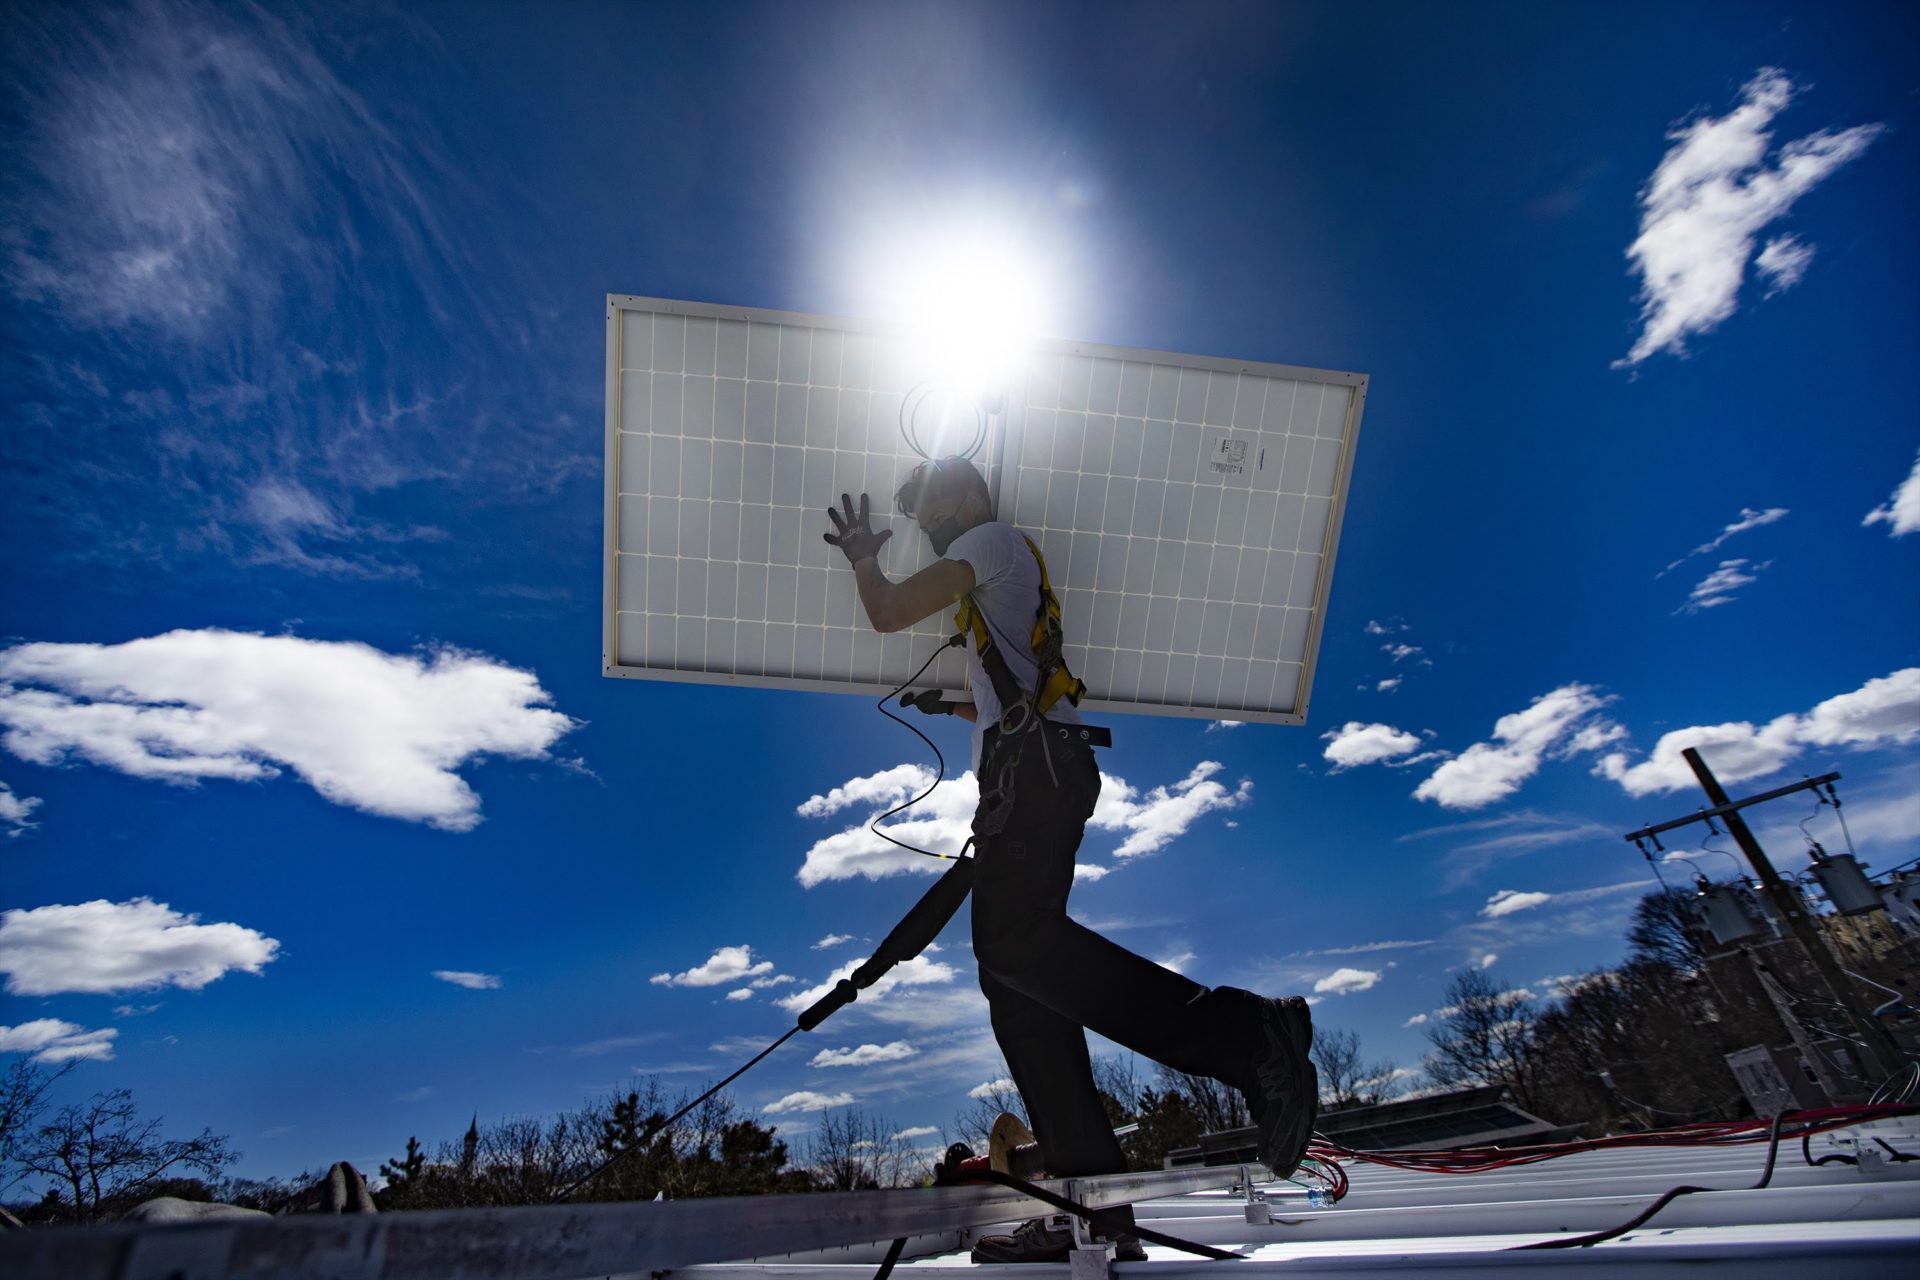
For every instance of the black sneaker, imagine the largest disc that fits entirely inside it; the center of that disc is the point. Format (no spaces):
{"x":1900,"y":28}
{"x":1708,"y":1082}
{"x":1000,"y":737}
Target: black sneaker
{"x":1044,"y":1240}
{"x":1284,"y":1088}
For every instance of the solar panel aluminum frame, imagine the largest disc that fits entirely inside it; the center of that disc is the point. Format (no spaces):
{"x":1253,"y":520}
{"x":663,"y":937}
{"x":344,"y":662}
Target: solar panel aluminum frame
{"x":997,"y":460}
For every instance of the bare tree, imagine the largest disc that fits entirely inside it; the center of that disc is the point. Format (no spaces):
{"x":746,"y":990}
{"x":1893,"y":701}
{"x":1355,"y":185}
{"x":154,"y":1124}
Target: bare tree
{"x":1664,"y":930}
{"x":856,"y":1150}
{"x":1485,"y":1036}
{"x":23,"y":1092}
{"x":1216,"y":1106}
{"x":1345,"y":1079}
{"x":103,"y":1154}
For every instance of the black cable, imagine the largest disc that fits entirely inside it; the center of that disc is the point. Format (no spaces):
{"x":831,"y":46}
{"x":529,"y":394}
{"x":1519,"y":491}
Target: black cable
{"x":1581,"y":1242}
{"x":653,"y":1131}
{"x":1087,"y":1215}
{"x":1806,"y":1153}
{"x":939,"y":776}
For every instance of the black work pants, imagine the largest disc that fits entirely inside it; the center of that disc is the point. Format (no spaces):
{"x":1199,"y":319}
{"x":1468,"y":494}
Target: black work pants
{"x":1046,"y":976}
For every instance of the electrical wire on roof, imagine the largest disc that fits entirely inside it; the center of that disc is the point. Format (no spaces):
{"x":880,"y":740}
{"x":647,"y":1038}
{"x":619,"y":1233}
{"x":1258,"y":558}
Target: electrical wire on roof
{"x":1712,"y":1133}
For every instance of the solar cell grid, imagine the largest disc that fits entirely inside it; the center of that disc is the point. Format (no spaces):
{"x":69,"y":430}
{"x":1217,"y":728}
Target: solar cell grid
{"x":1187,"y":508}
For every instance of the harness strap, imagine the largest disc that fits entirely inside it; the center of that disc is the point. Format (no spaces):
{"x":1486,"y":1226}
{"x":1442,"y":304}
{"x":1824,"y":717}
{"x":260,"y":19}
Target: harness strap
{"x":1053,"y":681}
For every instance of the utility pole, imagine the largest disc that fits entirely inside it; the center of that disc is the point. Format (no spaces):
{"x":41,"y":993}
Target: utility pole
{"x":1879,"y":1054}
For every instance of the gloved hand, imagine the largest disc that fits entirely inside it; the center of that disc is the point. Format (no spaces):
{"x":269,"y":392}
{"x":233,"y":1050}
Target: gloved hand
{"x":928,"y":702}
{"x":854,"y":534}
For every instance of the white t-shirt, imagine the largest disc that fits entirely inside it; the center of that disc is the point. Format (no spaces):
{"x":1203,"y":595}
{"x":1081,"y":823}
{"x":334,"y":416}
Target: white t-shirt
{"x":1006,"y":588}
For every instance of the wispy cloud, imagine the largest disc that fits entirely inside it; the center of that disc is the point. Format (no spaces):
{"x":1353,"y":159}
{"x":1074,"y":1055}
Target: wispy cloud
{"x":16,"y":811}
{"x":1749,"y":519}
{"x":807,"y":1100}
{"x":52,"y":1040}
{"x":1508,"y":836}
{"x":1508,"y":901}
{"x":1713,"y":192}
{"x":470,"y":980}
{"x":832,"y":940}
{"x":1882,"y":712}
{"x":1363,"y":948}
{"x":1901,"y":512}
{"x":1717,"y":588}
{"x":219,"y":226}
{"x":378,"y":732}
{"x":727,"y":965}
{"x":864,"y":1055}
{"x":103,"y":946}
{"x":1783,"y":262}
{"x":992,"y":1088}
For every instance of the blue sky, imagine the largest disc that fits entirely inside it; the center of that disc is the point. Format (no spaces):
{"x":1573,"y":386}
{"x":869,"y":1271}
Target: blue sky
{"x":300,"y":701}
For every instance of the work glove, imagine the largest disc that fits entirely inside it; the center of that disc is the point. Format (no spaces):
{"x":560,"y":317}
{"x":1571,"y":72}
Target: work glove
{"x":854,"y":534}
{"x":928,"y":702}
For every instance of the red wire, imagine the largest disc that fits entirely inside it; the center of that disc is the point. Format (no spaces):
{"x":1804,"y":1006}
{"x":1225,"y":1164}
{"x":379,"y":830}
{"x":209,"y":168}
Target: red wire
{"x":1710,"y":1133}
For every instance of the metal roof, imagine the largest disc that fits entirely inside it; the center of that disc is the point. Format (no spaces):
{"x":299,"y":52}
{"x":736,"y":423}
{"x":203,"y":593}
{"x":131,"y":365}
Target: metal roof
{"x":1863,"y":1217}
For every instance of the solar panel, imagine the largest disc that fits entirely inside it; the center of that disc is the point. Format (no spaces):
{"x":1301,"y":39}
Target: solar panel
{"x":1188,"y":507}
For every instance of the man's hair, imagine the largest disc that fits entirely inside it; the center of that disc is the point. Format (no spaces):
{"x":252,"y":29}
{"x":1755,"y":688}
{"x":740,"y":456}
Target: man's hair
{"x":940,"y":478}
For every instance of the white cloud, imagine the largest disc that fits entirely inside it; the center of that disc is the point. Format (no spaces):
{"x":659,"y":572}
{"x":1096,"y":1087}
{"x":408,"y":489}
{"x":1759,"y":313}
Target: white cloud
{"x":1487,"y":961}
{"x":1418,"y":1019}
{"x":1389,"y":684}
{"x":807,"y":1100}
{"x":917,"y":972}
{"x":1883,"y":711}
{"x":1396,"y":944}
{"x":944,"y":820}
{"x":1401,"y":652}
{"x":1710,"y":196}
{"x":1220,"y":726}
{"x":864,"y":1055}
{"x":378,"y":732}
{"x":774,"y":980}
{"x":1508,"y":901}
{"x":468,"y":979}
{"x":1561,"y":722}
{"x":880,"y":790}
{"x":832,"y":940}
{"x":727,"y":965}
{"x":1717,"y":588}
{"x":1375,"y":628}
{"x":1177,"y":963}
{"x":1354,"y":744}
{"x":1783,"y":262}
{"x":103,"y":946}
{"x":918,"y":1131}
{"x":1090,"y":872}
{"x":992,"y":1087}
{"x":1163,"y":814}
{"x":51,"y":1040}
{"x":16,"y":811}
{"x":1901,"y":512}
{"x":744,"y":993}
{"x":1347,"y":981}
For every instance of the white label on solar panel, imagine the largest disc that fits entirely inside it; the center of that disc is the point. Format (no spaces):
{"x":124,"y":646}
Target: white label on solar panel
{"x":1188,"y":508}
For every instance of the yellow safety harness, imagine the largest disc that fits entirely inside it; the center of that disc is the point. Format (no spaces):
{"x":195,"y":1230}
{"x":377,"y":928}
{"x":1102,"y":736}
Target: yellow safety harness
{"x":1053,"y":681}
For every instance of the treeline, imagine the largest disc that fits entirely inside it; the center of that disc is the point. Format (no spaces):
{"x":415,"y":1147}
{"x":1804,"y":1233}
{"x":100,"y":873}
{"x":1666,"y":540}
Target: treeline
{"x":1639,"y":1046}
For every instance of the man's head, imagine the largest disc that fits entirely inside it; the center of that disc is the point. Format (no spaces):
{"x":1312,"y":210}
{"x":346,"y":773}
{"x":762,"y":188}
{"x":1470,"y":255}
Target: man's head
{"x":947,"y":497}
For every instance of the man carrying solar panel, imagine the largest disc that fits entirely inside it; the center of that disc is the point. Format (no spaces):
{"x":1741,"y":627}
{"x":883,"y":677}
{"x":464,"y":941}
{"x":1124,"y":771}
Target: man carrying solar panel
{"x":1045,"y":976}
